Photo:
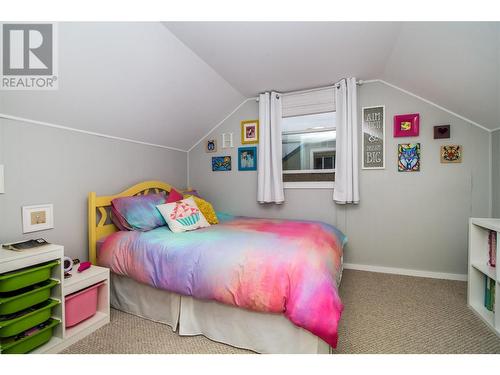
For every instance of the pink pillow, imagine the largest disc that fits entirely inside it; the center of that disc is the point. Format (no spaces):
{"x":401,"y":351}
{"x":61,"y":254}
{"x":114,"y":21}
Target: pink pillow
{"x":174,"y":196}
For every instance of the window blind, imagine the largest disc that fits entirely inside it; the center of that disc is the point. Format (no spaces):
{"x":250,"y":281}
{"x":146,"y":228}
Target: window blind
{"x":307,"y":103}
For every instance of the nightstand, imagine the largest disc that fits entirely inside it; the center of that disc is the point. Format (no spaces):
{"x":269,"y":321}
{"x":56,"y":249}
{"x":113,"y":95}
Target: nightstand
{"x":77,"y":282}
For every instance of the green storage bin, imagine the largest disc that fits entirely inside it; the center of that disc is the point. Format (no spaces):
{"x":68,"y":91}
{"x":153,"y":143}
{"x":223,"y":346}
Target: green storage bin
{"x":13,"y":302}
{"x":11,"y":325}
{"x":29,"y":340}
{"x":24,"y":277}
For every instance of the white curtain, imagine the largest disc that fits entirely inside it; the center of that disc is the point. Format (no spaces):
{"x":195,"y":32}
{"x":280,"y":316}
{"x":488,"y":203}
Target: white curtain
{"x":269,"y":174}
{"x":346,"y":164}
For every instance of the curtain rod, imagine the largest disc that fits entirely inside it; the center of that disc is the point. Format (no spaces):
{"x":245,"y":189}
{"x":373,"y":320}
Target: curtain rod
{"x":285,"y":93}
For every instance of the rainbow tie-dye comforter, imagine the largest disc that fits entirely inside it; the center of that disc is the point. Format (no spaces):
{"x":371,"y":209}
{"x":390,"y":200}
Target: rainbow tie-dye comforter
{"x":267,"y":265}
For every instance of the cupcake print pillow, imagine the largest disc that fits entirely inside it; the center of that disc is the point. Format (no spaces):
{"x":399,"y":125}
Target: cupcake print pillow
{"x":183,"y":215}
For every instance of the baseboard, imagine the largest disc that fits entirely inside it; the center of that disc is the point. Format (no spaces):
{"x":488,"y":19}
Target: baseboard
{"x":406,"y":272}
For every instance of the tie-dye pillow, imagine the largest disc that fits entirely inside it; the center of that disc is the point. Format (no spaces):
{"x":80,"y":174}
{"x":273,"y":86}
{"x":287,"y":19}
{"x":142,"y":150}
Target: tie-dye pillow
{"x":139,"y":212}
{"x":119,"y":220}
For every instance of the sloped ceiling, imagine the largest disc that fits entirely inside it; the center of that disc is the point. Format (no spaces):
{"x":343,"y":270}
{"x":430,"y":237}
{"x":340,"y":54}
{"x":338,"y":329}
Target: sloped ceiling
{"x":456,"y":65}
{"x":130,"y":80}
{"x":259,"y":56}
{"x":170,"y":83}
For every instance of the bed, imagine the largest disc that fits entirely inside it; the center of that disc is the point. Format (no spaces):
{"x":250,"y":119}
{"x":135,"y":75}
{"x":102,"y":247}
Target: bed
{"x":214,"y":281}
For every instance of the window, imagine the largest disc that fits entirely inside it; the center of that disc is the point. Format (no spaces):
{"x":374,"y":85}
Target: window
{"x":308,"y":152}
{"x":308,"y":137}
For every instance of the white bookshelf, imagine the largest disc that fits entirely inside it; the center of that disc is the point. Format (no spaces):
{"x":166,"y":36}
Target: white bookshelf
{"x":478,"y":268}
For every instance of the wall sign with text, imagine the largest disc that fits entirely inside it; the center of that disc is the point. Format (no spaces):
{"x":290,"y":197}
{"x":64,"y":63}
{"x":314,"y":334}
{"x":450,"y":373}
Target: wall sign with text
{"x":373,"y":137}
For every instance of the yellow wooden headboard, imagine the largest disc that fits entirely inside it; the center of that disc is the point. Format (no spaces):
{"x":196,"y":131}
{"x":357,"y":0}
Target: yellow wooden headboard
{"x":104,"y":226}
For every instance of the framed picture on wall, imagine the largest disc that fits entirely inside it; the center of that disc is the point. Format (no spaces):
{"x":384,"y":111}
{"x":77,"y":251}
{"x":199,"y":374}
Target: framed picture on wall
{"x":373,"y":137}
{"x":249,"y":131}
{"x":39,"y":217}
{"x":451,"y":154}
{"x":211,"y":145}
{"x":406,"y":125}
{"x":221,"y":163}
{"x":247,"y":159}
{"x":442,"y":131}
{"x":409,"y":157}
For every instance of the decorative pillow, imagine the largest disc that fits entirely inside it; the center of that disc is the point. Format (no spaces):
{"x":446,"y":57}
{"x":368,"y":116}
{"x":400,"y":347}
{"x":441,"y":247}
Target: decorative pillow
{"x":119,"y":220}
{"x":192,"y":192}
{"x":206,"y":209}
{"x":183,"y":215}
{"x":139,"y":212}
{"x":174,"y":196}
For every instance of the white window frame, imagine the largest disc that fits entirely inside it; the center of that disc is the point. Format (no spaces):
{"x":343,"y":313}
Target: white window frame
{"x":309,"y":185}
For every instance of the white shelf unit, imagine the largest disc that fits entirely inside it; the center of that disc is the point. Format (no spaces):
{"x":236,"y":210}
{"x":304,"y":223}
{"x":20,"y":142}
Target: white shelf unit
{"x":62,"y":337}
{"x":77,"y":282}
{"x":478,"y":268}
{"x":14,"y":260}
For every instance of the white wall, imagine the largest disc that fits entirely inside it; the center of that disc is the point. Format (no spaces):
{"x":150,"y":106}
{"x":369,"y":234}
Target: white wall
{"x":416,"y":221}
{"x":47,"y":165}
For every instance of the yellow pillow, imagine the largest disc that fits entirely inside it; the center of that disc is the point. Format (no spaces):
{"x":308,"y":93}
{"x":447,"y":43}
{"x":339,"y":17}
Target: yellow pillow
{"x":206,"y":209}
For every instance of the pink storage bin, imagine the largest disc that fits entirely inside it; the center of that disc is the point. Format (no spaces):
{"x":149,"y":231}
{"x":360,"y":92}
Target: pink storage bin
{"x":81,"y":305}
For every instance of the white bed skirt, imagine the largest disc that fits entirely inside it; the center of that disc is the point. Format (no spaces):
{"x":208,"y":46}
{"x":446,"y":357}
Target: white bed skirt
{"x":145,"y":301}
{"x":259,"y":332}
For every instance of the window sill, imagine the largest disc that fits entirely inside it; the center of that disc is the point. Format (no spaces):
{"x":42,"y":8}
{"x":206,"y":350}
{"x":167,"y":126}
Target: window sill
{"x":309,"y":185}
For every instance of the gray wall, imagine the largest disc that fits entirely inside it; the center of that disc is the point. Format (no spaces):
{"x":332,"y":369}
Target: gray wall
{"x":495,"y":172}
{"x":407,"y":220}
{"x":47,"y":165}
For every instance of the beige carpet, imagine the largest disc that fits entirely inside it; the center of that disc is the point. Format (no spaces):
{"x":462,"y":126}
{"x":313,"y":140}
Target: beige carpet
{"x":383,"y":314}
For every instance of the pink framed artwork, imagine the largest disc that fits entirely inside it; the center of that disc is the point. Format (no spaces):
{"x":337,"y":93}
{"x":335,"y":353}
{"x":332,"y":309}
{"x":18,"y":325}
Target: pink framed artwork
{"x":406,"y":125}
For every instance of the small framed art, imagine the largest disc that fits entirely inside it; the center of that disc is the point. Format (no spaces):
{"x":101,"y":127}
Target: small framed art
{"x":406,"y":125}
{"x":247,"y":159}
{"x":221,"y":163}
{"x":451,"y":154}
{"x":409,"y":157}
{"x":249,"y":132}
{"x":39,"y":217}
{"x":442,"y":131}
{"x":211,"y":145}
